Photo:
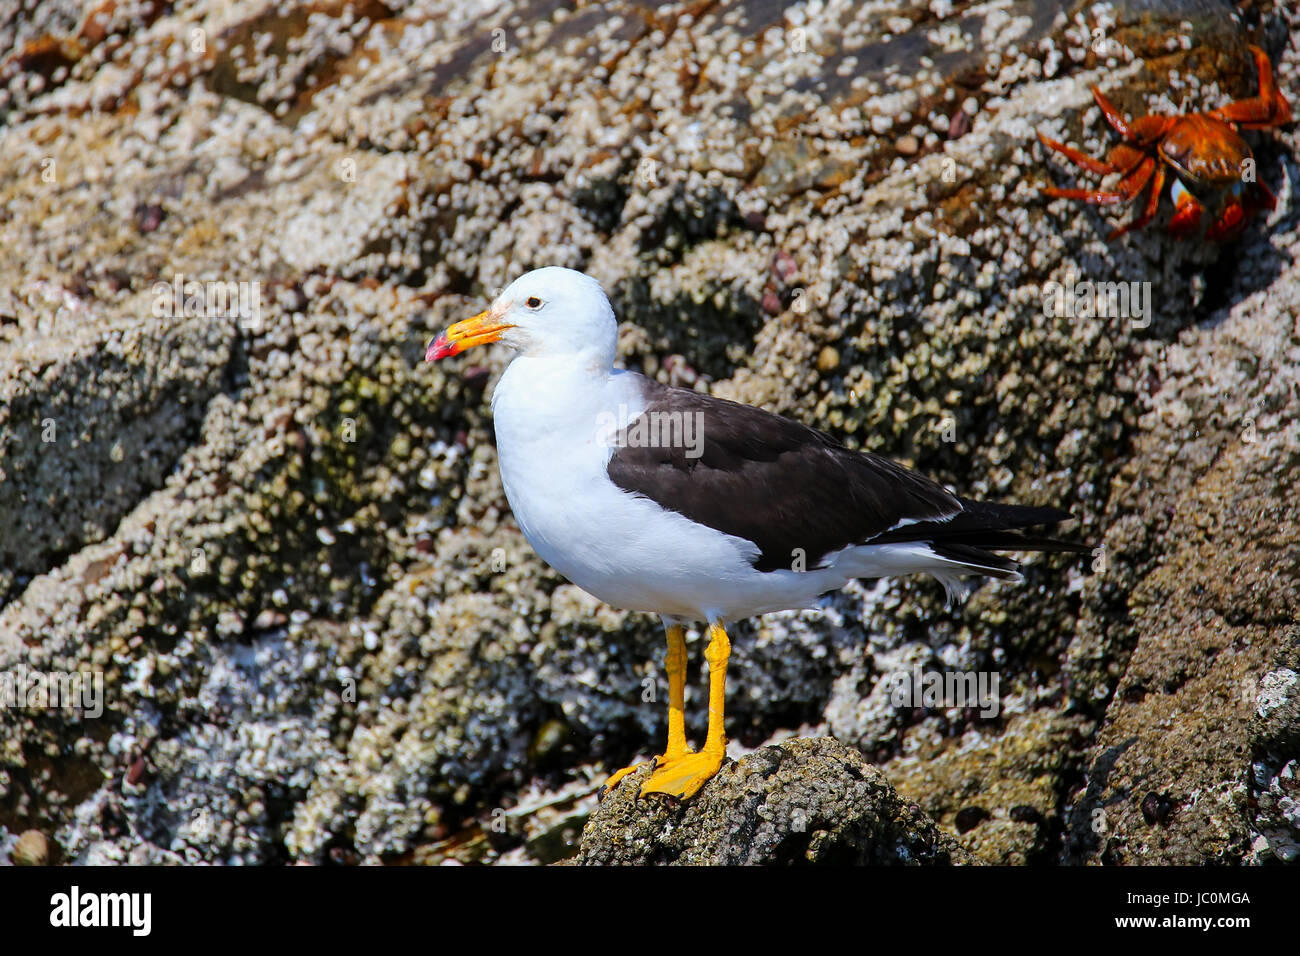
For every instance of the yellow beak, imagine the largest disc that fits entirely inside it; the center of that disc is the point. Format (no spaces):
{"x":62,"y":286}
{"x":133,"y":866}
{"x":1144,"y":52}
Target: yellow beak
{"x":481,"y":329}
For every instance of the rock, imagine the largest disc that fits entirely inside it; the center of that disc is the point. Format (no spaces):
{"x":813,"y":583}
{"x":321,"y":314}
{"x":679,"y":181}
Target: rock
{"x":1274,"y":779}
{"x":1202,"y":581}
{"x":78,"y":459}
{"x":808,"y":800}
{"x":285,"y":545}
{"x":998,"y":790}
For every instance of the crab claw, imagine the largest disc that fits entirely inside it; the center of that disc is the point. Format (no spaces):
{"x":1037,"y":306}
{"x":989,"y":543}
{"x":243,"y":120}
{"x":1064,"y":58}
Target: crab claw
{"x":1186,"y":219}
{"x":1228,"y":223}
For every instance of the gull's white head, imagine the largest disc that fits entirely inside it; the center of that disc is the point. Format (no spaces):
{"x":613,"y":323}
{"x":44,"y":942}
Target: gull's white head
{"x":546,"y":312}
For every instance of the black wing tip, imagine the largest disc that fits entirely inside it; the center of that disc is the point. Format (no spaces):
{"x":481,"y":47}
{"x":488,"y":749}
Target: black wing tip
{"x":1014,"y":519}
{"x":1015,"y":516}
{"x":1011,"y":539}
{"x":991,"y":526}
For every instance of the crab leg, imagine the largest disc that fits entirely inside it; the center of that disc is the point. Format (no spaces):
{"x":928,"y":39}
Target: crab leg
{"x":1125,"y":191}
{"x":1078,"y":158}
{"x":1153,"y":203}
{"x":1142,"y":132}
{"x":1269,"y":108}
{"x":1126,"y":158}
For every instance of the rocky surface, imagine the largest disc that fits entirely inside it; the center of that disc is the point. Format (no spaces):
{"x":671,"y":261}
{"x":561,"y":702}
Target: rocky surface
{"x":997,"y":792}
{"x":1203,"y":561}
{"x":1273,"y":806}
{"x":801,"y":801}
{"x":1170,"y":774}
{"x":282,"y":539}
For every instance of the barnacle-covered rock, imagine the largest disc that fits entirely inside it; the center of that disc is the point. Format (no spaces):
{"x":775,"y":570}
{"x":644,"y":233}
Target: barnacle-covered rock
{"x":282,"y":539}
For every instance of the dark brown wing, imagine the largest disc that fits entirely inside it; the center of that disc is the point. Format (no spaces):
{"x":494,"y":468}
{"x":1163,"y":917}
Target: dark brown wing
{"x":796,"y":492}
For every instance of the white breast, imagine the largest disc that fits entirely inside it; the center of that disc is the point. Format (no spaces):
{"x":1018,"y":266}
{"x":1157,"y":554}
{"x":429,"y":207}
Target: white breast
{"x":620,"y":547}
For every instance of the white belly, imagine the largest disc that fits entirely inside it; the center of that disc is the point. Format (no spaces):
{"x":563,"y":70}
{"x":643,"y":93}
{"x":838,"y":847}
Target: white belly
{"x":623,"y":549}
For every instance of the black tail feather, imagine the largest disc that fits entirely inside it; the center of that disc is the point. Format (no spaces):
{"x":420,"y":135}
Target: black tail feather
{"x":984,"y":527}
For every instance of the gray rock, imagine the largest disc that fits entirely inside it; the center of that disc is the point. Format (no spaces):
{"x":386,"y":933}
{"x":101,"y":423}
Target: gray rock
{"x":94,"y":413}
{"x":1274,"y":779}
{"x":1203,"y":583}
{"x":810,"y":800}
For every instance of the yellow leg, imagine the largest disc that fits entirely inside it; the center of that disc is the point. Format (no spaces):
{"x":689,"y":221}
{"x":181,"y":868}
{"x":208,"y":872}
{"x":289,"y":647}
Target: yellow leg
{"x":675,"y":663}
{"x":681,"y":775}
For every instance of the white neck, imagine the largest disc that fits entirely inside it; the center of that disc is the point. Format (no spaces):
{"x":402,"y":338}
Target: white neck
{"x":542,"y":395}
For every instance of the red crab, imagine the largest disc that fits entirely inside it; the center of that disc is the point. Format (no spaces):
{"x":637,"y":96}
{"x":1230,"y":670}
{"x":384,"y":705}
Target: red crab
{"x":1211,"y":163}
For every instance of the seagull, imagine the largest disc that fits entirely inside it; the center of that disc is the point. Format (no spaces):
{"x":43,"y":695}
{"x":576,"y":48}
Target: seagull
{"x":697,"y":509}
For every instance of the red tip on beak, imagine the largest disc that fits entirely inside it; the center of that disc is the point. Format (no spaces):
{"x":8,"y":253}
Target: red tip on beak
{"x":441,"y":348}
{"x":483,"y":328}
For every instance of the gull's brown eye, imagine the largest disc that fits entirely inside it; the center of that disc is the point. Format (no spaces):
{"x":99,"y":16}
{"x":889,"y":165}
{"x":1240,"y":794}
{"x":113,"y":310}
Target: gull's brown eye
{"x":533,"y":302}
